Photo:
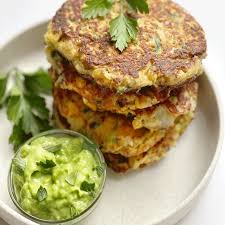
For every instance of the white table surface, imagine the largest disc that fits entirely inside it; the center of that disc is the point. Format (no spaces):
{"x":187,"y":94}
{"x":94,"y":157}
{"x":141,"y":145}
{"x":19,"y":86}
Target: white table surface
{"x":17,"y":15}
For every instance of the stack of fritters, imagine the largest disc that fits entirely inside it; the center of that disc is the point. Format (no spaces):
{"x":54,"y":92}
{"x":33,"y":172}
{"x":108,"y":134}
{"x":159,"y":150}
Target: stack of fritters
{"x":133,"y":104}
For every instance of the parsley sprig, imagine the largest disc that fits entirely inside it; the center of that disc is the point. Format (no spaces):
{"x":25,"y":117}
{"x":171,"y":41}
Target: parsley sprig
{"x":123,"y":28}
{"x":21,"y":94}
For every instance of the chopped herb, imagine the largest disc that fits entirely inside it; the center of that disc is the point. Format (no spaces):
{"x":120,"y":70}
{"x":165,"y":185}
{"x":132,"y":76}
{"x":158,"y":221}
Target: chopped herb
{"x":87,"y":187}
{"x":19,"y":165}
{"x":73,"y":212}
{"x":123,"y":28}
{"x":157,"y":44}
{"x":99,"y":170}
{"x":35,"y":173}
{"x":121,"y":90}
{"x":41,"y":194}
{"x":71,"y":179}
{"x":130,"y":116}
{"x":53,"y":149}
{"x":47,"y":164}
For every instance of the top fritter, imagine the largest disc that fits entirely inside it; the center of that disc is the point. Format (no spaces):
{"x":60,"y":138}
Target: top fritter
{"x":169,"y":47}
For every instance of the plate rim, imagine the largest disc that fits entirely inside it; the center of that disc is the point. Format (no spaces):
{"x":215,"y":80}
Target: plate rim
{"x":198,"y":188}
{"x":209,"y":172}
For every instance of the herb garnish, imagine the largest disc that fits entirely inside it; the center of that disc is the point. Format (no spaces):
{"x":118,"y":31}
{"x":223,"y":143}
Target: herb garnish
{"x":89,"y":145}
{"x":47,"y":164}
{"x":73,"y":212}
{"x":26,"y":109}
{"x":19,"y":165}
{"x":123,"y":28}
{"x":71,"y":179}
{"x":53,"y":149}
{"x":139,"y":5}
{"x":88,"y":187}
{"x":99,"y":170}
{"x":96,"y":8}
{"x":41,"y":194}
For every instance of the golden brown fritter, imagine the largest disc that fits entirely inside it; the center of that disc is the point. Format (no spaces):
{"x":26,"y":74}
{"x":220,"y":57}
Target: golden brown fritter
{"x":121,"y":164}
{"x":159,"y":116}
{"x":115,"y":133}
{"x":181,"y":101}
{"x":112,"y":132}
{"x":101,"y":98}
{"x":169,"y":48}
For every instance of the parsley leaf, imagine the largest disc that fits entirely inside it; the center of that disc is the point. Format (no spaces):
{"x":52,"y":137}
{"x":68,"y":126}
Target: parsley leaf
{"x":20,"y":109}
{"x":38,"y":106}
{"x":26,"y":109}
{"x":15,"y":109}
{"x":47,"y":164}
{"x":41,"y":194}
{"x":139,"y":5}
{"x":38,"y":82}
{"x":18,"y":83}
{"x":54,"y":148}
{"x":123,"y":29}
{"x":18,"y":136}
{"x":43,"y":124}
{"x":87,"y":187}
{"x":95,"y":8}
{"x":3,"y":87}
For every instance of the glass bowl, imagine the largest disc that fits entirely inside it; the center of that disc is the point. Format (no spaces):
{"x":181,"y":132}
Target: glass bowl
{"x":99,"y":157}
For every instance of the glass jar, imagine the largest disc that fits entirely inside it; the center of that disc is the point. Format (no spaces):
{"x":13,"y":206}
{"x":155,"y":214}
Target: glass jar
{"x":98,"y":156}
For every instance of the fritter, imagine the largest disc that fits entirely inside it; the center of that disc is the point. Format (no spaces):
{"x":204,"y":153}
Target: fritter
{"x":169,"y":48}
{"x":181,"y":101}
{"x":159,"y":116}
{"x":121,"y":164}
{"x":112,"y":132}
{"x":104,"y":99}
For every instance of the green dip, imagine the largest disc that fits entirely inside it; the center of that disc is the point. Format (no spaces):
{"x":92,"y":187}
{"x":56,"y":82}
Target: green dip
{"x":57,"y":177}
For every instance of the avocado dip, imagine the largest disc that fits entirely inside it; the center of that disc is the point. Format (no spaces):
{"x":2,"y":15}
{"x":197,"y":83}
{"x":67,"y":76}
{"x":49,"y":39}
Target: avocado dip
{"x":57,"y":177}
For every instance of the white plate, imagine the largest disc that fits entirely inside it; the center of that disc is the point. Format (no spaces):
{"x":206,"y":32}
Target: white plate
{"x":161,"y":194}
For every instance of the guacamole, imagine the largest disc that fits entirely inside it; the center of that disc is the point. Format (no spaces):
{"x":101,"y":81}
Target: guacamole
{"x":57,"y":177}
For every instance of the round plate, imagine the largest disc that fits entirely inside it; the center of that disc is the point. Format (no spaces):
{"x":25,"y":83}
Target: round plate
{"x":156,"y":195}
